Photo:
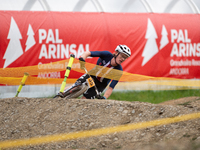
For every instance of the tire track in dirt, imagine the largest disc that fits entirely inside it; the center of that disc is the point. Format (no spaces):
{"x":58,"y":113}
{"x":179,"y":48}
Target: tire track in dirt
{"x":30,"y":117}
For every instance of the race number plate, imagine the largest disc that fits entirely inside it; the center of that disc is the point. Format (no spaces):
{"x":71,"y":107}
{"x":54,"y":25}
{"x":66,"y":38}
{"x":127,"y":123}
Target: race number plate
{"x":90,"y":82}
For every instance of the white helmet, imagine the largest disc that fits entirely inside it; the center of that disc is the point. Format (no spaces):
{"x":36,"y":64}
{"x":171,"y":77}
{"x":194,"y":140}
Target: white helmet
{"x":123,"y":49}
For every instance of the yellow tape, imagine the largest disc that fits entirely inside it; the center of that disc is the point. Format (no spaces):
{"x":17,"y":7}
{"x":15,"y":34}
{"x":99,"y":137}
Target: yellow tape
{"x":33,"y":80}
{"x":10,"y":76}
{"x":96,"y":132}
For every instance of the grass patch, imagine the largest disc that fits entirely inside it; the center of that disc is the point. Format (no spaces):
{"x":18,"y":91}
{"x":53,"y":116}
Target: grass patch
{"x":154,"y":97}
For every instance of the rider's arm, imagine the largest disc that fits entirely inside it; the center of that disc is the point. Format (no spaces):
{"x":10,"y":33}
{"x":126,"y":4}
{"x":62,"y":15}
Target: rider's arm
{"x":86,"y":54}
{"x":108,"y":92}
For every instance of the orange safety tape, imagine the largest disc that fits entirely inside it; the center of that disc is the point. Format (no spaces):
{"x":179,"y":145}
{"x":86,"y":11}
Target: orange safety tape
{"x":12,"y":76}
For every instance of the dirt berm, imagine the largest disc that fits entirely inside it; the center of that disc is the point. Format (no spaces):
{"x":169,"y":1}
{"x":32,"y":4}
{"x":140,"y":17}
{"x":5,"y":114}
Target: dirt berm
{"x":23,"y":118}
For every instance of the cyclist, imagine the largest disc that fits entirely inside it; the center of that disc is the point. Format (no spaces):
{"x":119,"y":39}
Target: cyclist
{"x":106,"y":59}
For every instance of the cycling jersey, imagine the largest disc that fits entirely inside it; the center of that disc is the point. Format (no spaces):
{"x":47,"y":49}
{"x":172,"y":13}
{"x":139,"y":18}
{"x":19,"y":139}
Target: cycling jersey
{"x":105,"y":60}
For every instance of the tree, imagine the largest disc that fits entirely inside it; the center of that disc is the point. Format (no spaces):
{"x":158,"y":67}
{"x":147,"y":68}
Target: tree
{"x":151,"y":47}
{"x":14,"y":49}
{"x":164,"y":40}
{"x":30,"y":40}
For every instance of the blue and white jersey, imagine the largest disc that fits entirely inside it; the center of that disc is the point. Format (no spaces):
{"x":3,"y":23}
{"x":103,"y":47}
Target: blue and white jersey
{"x":105,"y":61}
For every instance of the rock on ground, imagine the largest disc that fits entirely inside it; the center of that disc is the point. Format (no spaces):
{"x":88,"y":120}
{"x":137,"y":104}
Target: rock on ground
{"x":23,"y":118}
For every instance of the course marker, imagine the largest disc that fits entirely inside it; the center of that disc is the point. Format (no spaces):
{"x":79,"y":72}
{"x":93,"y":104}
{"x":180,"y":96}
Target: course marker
{"x":22,"y":83}
{"x":72,"y":56}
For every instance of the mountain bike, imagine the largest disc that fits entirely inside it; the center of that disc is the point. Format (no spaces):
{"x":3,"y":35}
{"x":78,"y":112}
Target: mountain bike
{"x":79,"y":88}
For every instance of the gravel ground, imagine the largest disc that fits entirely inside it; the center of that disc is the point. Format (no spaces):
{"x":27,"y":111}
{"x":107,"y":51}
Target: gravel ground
{"x":23,"y":118}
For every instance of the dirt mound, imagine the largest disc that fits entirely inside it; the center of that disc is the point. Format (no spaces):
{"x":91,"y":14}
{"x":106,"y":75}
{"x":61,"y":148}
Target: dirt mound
{"x":181,"y":101}
{"x":31,"y":117}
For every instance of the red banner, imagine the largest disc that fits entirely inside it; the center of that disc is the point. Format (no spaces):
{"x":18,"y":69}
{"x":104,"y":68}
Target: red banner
{"x":162,"y":45}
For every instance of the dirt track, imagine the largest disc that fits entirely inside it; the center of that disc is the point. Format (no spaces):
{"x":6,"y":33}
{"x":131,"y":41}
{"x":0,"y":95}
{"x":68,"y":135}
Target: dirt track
{"x":30,"y":117}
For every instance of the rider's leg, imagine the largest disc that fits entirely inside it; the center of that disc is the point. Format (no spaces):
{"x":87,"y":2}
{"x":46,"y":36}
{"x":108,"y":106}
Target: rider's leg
{"x":91,"y":92}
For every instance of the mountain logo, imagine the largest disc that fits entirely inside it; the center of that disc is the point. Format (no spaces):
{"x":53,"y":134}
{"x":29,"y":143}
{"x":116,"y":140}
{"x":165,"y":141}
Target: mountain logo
{"x":151,"y":48}
{"x":14,"y":49}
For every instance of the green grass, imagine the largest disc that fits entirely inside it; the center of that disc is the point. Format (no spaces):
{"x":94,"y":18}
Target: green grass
{"x":153,"y":96}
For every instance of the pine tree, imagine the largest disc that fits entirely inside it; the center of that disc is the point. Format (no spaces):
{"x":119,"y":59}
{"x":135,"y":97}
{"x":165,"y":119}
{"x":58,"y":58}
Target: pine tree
{"x":14,"y":49}
{"x":151,"y":47}
{"x":164,"y":40}
{"x":30,"y":40}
